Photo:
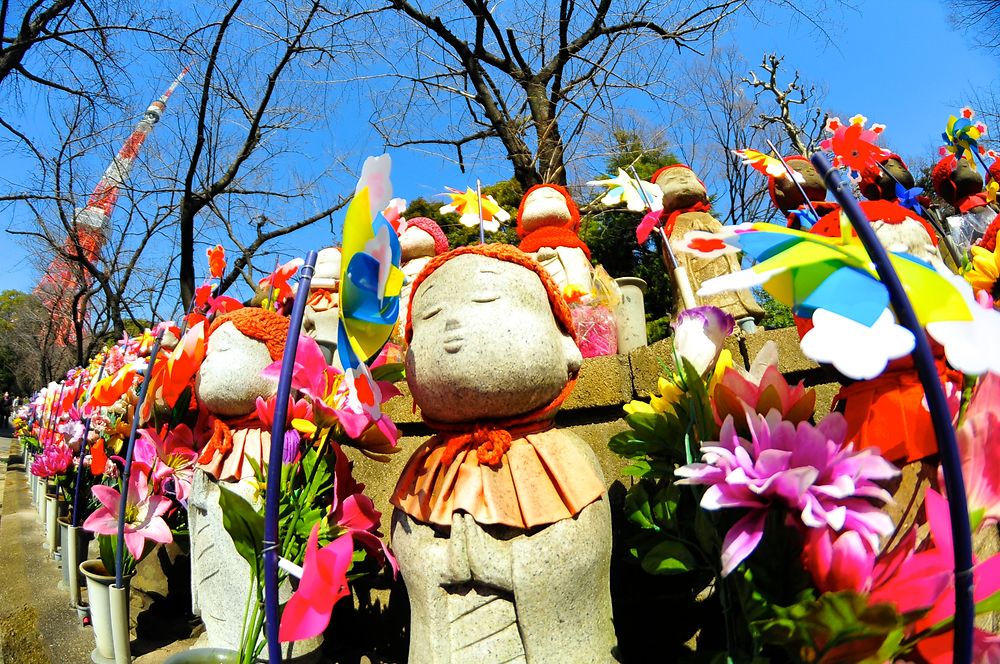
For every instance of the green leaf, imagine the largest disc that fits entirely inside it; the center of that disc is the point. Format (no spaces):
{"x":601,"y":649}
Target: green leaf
{"x":990,"y":604}
{"x":637,"y":507}
{"x":669,"y":557}
{"x":244,"y":525}
{"x":392,"y":373}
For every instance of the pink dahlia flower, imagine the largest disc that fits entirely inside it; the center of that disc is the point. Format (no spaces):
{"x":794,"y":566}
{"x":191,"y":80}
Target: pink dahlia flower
{"x":809,"y":470}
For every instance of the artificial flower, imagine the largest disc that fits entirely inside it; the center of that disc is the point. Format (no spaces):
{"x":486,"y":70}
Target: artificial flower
{"x":216,"y":261}
{"x":699,"y":334}
{"x":323,"y":583}
{"x":738,"y":395}
{"x":940,"y":559}
{"x":277,"y":281}
{"x":467,"y":205}
{"x":979,"y":448}
{"x":984,"y":270}
{"x":143,"y":514}
{"x":312,"y":377}
{"x":98,"y":459}
{"x":649,"y":221}
{"x":361,"y":397}
{"x":838,"y":561}
{"x":170,"y":455}
{"x":393,"y":213}
{"x":809,"y":470}
{"x":638,"y":195}
{"x":111,"y":388}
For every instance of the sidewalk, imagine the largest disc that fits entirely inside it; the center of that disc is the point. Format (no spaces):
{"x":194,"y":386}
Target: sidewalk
{"x":37,"y":625}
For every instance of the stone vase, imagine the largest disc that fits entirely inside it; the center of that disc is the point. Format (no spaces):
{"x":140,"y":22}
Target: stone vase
{"x":99,"y":584}
{"x":204,"y":656}
{"x":73,"y":543}
{"x":51,"y":524}
{"x":630,"y":314}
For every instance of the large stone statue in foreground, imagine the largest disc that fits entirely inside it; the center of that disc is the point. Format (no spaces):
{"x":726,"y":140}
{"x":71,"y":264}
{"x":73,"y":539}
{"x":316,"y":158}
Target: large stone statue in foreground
{"x":502,"y":527}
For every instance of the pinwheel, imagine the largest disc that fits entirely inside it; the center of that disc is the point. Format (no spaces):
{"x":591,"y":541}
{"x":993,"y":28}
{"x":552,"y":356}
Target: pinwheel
{"x":961,"y":137}
{"x":638,"y":195}
{"x":852,"y":144}
{"x":466,"y":205}
{"x":370,"y":281}
{"x":766,"y":164}
{"x":832,"y":281}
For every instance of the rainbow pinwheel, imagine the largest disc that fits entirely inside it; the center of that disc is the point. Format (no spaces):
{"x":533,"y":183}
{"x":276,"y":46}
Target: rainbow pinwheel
{"x":637,"y":195}
{"x":832,"y":281}
{"x":852,"y":144}
{"x":370,"y":281}
{"x":961,"y":137}
{"x":766,"y":164}
{"x":466,"y":205}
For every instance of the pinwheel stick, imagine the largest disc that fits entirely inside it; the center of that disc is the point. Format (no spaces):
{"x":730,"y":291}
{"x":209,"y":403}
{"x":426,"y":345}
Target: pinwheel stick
{"x":271,"y":617}
{"x":678,"y":271}
{"x":127,"y":470}
{"x":75,"y":516}
{"x":937,"y":405}
{"x":56,"y":410}
{"x":791,"y":175}
{"x":479,"y":205}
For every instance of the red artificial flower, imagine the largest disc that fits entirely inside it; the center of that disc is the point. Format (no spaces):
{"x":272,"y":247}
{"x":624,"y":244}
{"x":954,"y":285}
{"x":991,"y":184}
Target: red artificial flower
{"x":216,"y":261}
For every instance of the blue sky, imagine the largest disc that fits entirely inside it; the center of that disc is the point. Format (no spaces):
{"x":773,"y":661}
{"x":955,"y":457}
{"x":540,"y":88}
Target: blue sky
{"x":898,"y":62}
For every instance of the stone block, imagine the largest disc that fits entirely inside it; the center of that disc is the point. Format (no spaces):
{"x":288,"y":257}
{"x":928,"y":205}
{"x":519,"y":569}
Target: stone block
{"x":603,"y":381}
{"x":790,"y":357}
{"x":647,"y":366}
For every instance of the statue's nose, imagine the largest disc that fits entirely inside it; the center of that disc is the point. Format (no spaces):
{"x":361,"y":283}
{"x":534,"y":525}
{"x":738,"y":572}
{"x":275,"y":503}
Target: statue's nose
{"x":451,"y":325}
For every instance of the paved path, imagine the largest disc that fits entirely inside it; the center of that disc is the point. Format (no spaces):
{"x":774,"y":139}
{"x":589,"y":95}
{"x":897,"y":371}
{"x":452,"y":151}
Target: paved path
{"x":37,"y":624}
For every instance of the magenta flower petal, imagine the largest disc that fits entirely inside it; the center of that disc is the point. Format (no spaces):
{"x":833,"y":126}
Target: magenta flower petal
{"x":323,"y":582}
{"x":742,"y":539}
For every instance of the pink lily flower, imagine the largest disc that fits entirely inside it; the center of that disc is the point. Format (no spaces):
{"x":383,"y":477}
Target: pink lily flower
{"x":311,"y":376}
{"x":143,"y":514}
{"x":170,"y":457}
{"x":323,"y":583}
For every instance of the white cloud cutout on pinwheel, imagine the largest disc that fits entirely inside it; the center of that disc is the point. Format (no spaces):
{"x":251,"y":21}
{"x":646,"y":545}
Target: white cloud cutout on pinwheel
{"x":971,"y":346}
{"x":855,"y":350}
{"x":736,"y":281}
{"x":704,"y":245}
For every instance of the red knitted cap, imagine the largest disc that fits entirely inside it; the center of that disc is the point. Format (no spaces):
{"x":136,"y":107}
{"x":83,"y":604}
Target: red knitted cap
{"x":941,"y":178}
{"x":503,"y":252}
{"x":260,"y":324}
{"x":430,"y":227}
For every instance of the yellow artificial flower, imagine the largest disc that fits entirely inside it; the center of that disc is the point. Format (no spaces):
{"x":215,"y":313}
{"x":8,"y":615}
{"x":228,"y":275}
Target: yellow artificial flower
{"x":724,"y":362}
{"x":985,"y":269}
{"x":670,"y":395}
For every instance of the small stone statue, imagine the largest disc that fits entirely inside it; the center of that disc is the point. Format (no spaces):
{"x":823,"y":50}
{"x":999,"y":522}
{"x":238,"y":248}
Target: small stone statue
{"x":548,"y":223}
{"x":686,"y":208}
{"x":502,"y":528}
{"x":787,"y":197}
{"x":240,"y":345}
{"x":877,"y":185}
{"x":961,"y":186}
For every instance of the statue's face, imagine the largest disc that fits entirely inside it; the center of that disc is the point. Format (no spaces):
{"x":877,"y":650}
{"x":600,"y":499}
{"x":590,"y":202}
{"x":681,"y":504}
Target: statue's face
{"x":968,"y":180}
{"x":788,"y":197}
{"x":415,"y":243}
{"x":884,"y":187}
{"x":485,"y":342}
{"x":544,"y":206}
{"x":681,"y":188}
{"x":229,"y":379}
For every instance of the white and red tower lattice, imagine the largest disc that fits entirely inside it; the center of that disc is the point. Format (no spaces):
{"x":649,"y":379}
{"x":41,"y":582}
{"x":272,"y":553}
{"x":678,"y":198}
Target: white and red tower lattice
{"x":65,"y":276}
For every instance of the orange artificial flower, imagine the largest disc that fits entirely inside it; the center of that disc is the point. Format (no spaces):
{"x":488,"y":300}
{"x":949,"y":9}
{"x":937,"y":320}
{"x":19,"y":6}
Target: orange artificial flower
{"x":111,"y":388}
{"x":98,"y":459}
{"x":216,"y":261}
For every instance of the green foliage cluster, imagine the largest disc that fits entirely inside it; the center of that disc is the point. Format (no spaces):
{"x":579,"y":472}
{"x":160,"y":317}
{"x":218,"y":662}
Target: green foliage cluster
{"x":778,"y":315}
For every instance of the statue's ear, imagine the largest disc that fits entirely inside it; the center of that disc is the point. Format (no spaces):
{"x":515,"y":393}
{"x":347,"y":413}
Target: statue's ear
{"x":572,"y":353}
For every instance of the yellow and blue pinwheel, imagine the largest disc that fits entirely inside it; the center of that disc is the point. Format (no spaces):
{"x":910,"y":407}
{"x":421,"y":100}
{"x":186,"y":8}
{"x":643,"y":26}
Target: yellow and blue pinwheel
{"x":370,"y":283}
{"x":961,"y":136}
